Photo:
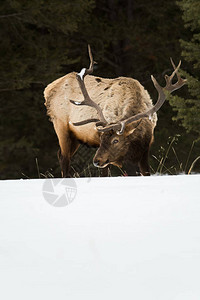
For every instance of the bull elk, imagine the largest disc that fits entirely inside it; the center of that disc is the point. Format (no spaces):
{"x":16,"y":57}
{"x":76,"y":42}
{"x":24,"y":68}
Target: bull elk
{"x":121,"y":109}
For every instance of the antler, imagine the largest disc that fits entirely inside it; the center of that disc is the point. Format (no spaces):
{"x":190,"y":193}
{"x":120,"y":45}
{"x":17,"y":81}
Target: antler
{"x":169,"y":88}
{"x":87,"y":100}
{"x":119,"y":127}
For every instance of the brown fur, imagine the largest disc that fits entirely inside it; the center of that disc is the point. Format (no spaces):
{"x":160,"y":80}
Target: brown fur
{"x":118,"y":98}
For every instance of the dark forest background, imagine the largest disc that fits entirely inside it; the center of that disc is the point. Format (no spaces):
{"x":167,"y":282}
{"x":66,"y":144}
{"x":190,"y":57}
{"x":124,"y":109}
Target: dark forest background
{"x":42,"y":40}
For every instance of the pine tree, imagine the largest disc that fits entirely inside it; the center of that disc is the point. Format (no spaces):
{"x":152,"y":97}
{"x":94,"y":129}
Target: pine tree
{"x":44,"y":40}
{"x":36,"y":48}
{"x":188,"y":108}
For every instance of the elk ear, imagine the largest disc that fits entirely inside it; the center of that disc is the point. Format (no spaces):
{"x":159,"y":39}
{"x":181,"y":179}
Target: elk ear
{"x":129,"y":130}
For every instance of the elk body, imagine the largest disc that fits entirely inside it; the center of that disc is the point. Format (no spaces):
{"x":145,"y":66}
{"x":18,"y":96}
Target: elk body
{"x":115,"y":115}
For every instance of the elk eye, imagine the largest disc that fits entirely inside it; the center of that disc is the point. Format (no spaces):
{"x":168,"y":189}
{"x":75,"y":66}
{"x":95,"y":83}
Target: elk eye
{"x":115,"y":141}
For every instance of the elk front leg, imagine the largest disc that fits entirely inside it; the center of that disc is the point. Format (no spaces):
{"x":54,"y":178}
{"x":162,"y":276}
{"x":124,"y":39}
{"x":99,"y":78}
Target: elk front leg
{"x":144,"y":164}
{"x":105,"y":172}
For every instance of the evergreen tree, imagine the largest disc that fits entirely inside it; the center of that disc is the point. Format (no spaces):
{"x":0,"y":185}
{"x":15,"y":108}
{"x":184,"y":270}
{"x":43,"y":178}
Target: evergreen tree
{"x":43,"y":40}
{"x":188,"y":108}
{"x":35,"y":49}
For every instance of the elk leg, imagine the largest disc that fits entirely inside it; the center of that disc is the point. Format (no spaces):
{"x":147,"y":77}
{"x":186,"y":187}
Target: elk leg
{"x":105,"y":172}
{"x":74,"y":145}
{"x":144,"y":164}
{"x":64,"y":164}
{"x":64,"y":153}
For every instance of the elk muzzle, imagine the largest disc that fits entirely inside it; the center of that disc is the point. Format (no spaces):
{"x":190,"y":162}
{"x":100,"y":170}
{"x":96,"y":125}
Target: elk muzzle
{"x":99,"y":163}
{"x":101,"y":159}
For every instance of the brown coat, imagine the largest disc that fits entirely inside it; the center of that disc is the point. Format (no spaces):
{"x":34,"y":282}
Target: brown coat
{"x":118,"y":98}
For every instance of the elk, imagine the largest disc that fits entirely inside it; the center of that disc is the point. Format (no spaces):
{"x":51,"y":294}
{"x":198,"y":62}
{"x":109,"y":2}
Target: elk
{"x":115,"y":115}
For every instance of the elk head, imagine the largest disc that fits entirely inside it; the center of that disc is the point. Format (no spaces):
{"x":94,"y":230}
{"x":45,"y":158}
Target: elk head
{"x":115,"y":138}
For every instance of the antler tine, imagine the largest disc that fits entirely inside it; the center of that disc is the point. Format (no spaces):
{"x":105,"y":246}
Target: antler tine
{"x":87,"y":100}
{"x":176,"y":70}
{"x":92,"y":62}
{"x":169,"y":78}
{"x":161,"y":99}
{"x":172,"y":87}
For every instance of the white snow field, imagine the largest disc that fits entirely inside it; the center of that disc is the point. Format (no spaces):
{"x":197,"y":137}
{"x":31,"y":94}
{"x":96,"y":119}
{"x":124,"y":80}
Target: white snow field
{"x":133,"y":238}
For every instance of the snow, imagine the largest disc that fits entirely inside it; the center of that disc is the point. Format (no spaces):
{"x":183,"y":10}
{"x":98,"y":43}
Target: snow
{"x":114,"y":238}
